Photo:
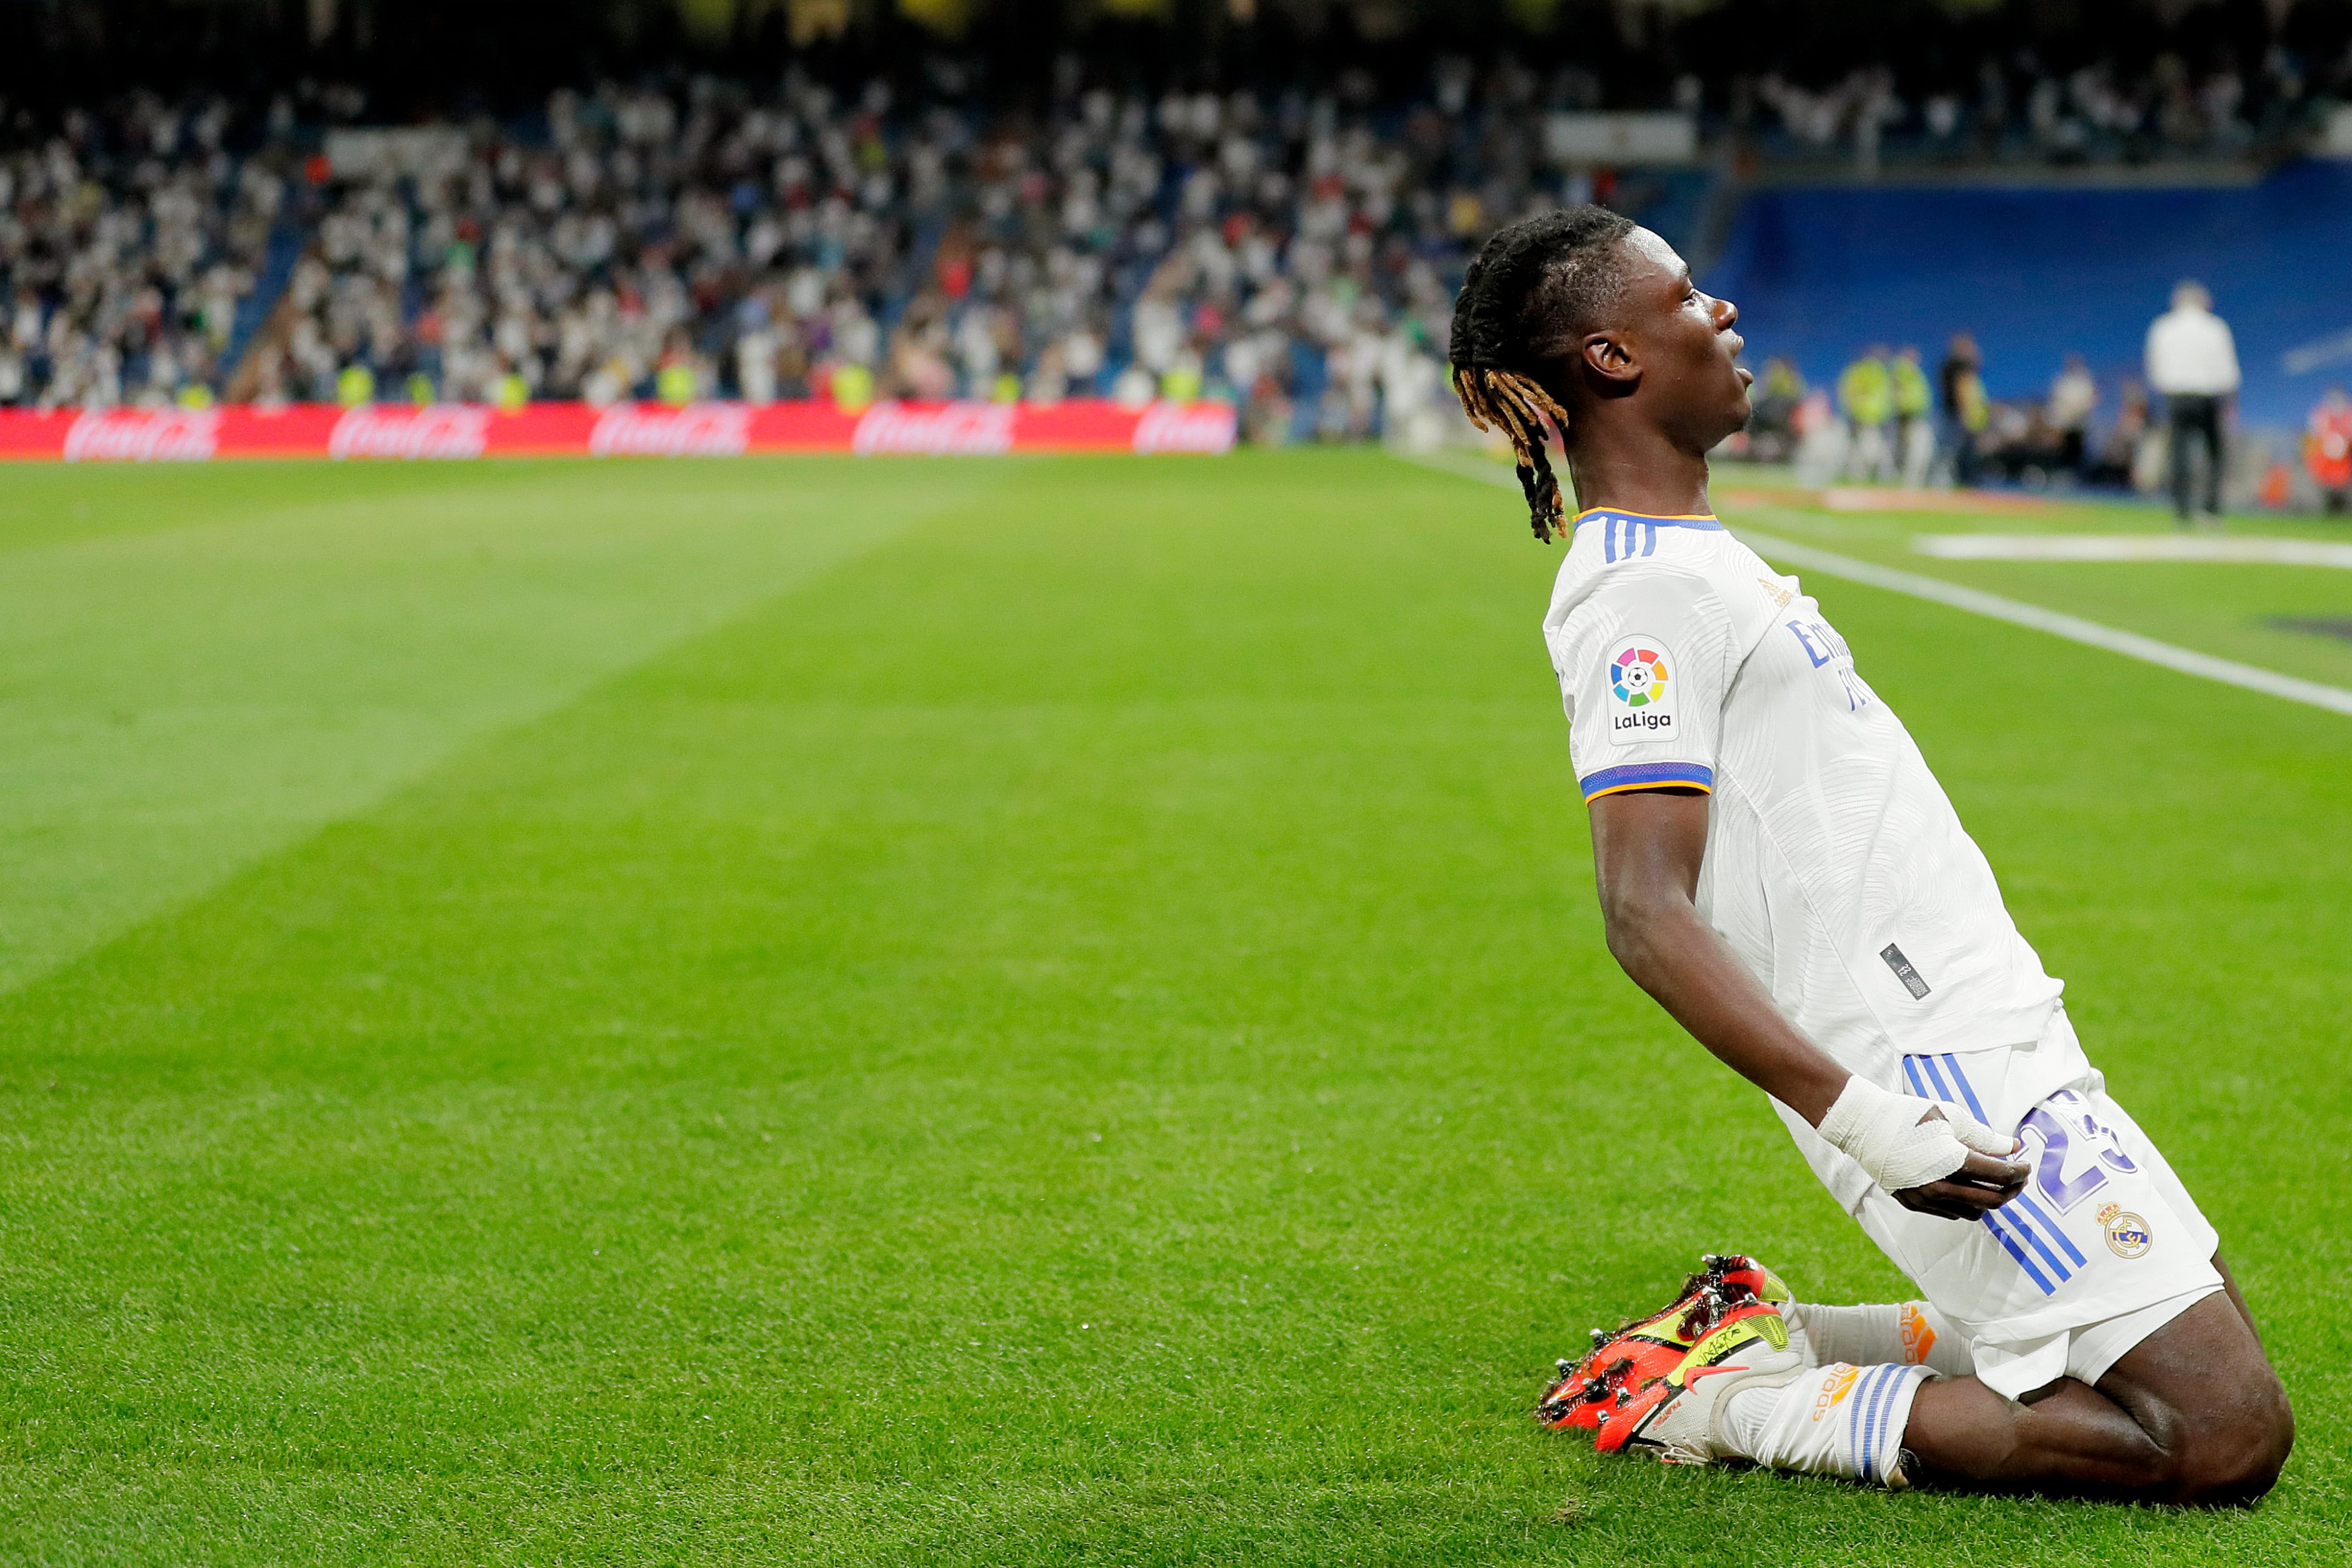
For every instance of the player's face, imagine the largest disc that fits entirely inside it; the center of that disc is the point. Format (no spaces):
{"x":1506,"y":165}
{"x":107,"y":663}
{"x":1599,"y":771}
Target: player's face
{"x":1686,"y":343}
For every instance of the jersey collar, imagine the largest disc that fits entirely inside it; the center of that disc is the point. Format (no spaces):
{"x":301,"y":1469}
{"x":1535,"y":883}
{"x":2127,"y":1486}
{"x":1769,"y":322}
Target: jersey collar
{"x":1684,"y":520}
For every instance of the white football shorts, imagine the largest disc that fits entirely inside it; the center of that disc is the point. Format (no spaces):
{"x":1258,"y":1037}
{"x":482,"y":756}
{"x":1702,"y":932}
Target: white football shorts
{"x":2102,"y":1248}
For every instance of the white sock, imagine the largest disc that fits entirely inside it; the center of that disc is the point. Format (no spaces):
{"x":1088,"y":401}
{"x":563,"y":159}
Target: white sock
{"x":1911,"y":1332}
{"x":1835,"y":1420}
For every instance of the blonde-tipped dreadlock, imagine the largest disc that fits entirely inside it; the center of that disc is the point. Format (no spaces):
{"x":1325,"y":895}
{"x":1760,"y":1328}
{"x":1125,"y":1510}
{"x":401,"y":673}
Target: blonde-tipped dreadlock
{"x":1510,"y":403}
{"x":1531,"y":290}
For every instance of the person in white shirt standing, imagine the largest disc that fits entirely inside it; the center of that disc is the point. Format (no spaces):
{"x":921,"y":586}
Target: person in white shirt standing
{"x":1780,"y":869}
{"x":2193,"y":361}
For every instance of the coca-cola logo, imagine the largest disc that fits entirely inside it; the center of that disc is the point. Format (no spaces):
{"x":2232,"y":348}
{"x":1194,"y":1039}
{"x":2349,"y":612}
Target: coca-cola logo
{"x":944,"y":429}
{"x":1185,"y":427}
{"x":144,"y":435}
{"x":436,"y":430}
{"x":697,"y":429}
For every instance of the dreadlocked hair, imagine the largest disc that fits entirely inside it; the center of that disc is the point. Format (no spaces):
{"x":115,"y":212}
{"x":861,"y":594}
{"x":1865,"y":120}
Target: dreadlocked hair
{"x":1533,"y":286}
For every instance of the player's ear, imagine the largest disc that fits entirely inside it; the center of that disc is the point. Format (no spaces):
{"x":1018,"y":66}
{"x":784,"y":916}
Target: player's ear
{"x":1606,"y":355}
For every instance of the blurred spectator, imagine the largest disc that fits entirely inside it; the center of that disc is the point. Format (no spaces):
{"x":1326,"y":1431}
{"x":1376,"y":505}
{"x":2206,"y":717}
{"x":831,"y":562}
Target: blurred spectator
{"x":1963,"y":410}
{"x":1772,"y":424}
{"x":2328,"y":449}
{"x":2074,"y":396}
{"x":1915,"y":437}
{"x":2193,"y":361}
{"x":2119,"y":459}
{"x":1820,"y":439}
{"x":1867,"y":398}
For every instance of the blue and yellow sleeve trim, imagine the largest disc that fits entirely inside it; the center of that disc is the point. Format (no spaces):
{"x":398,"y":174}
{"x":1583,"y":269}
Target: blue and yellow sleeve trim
{"x":1647,"y":776}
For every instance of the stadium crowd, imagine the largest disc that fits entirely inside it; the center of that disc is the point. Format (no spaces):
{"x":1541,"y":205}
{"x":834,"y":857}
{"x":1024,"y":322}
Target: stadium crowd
{"x":1285,"y":255}
{"x":122,"y":271}
{"x":1295,"y":253}
{"x":2022,"y":110}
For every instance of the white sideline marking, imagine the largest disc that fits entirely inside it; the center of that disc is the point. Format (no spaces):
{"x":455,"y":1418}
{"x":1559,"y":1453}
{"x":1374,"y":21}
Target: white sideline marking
{"x":2134,"y":547}
{"x":2073,"y":627}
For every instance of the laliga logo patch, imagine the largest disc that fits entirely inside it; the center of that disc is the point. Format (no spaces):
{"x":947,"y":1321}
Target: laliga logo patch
{"x":1638,"y":676}
{"x":2127,"y":1234}
{"x":1644,"y":691}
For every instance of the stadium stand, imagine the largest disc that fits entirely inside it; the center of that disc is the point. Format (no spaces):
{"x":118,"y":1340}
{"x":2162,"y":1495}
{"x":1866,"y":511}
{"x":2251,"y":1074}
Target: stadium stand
{"x":1291,"y":249}
{"x":631,"y":244}
{"x":127,"y":263}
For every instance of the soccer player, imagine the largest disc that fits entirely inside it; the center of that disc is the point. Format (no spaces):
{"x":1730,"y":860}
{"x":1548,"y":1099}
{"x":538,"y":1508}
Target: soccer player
{"x":1780,"y":870}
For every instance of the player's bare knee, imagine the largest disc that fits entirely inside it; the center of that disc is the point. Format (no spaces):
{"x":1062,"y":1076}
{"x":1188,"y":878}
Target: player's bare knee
{"x":2224,"y":1457}
{"x":2231,"y":1471}
{"x":2236,"y":1459}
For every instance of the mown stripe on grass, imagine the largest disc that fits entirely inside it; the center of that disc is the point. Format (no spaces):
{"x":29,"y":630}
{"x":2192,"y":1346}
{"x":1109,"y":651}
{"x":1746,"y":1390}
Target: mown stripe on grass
{"x":181,"y":703}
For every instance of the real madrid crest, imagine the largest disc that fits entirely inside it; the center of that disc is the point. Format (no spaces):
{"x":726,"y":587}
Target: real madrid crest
{"x":2127,"y":1233}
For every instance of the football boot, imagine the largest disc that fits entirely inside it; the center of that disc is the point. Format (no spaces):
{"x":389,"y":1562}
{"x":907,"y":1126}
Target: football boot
{"x":1741,"y":1275}
{"x":1585,"y":1392}
{"x":1673,"y":1417}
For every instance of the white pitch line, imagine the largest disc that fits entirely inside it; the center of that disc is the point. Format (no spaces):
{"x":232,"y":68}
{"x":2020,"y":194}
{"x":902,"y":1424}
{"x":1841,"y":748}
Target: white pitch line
{"x":2233,"y":549}
{"x":2073,"y":627}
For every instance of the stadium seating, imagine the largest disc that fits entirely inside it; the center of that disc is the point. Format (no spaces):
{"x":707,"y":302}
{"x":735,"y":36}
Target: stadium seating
{"x":134,"y":272}
{"x":1278,"y":250}
{"x":1267,"y":248}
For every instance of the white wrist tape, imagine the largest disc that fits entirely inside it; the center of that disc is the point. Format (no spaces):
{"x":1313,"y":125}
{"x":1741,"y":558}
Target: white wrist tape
{"x":1884,"y":1134}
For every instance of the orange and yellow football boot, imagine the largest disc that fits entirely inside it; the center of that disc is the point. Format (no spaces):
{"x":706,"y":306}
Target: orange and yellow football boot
{"x":1673,"y":1416}
{"x":1619,"y":1365}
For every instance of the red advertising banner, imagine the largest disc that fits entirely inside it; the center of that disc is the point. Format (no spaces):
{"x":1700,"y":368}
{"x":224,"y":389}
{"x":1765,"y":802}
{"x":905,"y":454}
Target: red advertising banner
{"x":448,"y":431}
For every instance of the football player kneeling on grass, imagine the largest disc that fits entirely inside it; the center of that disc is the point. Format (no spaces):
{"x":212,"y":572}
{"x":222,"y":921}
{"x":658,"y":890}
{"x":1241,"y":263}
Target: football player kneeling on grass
{"x":1780,"y":870}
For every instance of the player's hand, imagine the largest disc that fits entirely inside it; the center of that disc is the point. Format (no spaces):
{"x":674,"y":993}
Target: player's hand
{"x":1937,"y":1160}
{"x":1982,"y":1183}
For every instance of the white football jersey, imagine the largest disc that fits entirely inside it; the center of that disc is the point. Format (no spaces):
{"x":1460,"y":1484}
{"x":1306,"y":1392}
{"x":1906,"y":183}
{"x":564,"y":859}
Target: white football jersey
{"x":1835,"y":866}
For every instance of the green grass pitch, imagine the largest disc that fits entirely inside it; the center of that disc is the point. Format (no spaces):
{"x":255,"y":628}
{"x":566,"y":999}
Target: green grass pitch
{"x":1032,"y":1011}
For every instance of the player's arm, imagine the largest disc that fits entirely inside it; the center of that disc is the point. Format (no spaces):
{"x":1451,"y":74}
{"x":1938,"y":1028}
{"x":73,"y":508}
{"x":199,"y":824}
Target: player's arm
{"x":1646,"y":847}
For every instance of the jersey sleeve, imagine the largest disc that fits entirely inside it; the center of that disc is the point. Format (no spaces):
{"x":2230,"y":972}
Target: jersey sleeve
{"x":1644,"y":665}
